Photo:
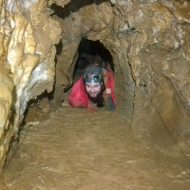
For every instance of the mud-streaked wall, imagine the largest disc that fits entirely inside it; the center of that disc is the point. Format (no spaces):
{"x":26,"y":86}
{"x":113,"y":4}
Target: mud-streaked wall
{"x":148,"y":40}
{"x":27,"y":63}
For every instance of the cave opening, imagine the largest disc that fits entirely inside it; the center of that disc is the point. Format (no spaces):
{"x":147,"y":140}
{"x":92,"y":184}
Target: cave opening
{"x":73,"y":54}
{"x":74,"y":142}
{"x":89,"y":50}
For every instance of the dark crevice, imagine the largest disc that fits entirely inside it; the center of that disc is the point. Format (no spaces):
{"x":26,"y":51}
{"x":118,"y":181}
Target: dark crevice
{"x":39,"y":106}
{"x":72,"y":6}
{"x":59,"y":48}
{"x":88,"y":51}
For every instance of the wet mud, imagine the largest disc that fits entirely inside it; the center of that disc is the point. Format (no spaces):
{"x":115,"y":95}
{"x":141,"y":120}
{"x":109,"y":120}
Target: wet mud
{"x":79,"y":150}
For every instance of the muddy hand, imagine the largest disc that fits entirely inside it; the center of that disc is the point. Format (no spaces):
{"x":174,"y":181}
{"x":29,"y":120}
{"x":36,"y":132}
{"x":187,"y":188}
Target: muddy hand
{"x":92,"y":108}
{"x":110,"y":105}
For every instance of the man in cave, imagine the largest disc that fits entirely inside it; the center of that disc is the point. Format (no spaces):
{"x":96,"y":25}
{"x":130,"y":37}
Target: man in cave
{"x":94,"y":89}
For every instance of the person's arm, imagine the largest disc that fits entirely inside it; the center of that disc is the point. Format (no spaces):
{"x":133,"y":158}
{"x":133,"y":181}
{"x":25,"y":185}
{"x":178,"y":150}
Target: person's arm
{"x":78,"y":96}
{"x":109,"y":93}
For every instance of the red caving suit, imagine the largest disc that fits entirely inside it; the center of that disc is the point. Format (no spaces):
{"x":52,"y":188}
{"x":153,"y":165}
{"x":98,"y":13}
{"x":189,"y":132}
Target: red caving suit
{"x":79,"y":97}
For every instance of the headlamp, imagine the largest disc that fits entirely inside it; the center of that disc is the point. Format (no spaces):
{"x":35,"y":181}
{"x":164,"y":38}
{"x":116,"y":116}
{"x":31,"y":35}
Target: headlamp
{"x":92,"y":78}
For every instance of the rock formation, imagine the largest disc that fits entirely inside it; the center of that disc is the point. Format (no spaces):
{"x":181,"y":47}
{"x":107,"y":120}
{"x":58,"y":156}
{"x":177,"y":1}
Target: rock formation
{"x":148,"y":40}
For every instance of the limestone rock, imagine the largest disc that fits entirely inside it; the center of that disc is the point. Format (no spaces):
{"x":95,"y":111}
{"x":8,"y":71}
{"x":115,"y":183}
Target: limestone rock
{"x":25,"y":72}
{"x":148,"y":40}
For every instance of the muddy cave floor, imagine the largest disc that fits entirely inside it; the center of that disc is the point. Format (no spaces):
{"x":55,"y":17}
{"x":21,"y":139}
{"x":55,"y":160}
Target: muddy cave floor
{"x":79,"y":150}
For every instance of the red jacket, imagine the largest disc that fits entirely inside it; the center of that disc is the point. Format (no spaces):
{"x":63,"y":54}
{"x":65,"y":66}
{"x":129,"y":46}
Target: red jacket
{"x":79,"y":97}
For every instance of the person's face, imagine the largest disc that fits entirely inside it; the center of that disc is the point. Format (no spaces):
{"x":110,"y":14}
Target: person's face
{"x":93,"y":89}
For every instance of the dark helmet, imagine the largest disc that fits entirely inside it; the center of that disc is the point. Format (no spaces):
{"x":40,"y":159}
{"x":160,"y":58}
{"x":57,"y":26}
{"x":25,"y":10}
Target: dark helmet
{"x":93,"y":73}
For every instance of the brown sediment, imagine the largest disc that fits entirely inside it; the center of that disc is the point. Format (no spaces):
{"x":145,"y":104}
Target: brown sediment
{"x":149,"y":46}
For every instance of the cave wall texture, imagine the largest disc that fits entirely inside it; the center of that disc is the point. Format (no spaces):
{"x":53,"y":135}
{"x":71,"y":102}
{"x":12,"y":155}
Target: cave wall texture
{"x":148,"y":40}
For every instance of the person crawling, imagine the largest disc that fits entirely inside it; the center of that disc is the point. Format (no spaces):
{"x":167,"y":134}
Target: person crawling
{"x":95,"y":88}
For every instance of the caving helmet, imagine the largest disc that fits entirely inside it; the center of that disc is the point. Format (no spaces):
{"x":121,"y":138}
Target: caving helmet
{"x":93,"y":74}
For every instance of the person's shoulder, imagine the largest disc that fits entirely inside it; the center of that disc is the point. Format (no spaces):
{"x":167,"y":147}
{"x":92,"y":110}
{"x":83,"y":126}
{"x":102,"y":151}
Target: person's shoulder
{"x":79,"y":81}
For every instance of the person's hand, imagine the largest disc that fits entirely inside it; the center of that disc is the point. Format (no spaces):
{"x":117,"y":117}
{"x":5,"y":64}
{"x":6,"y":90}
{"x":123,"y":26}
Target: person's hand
{"x":92,"y":107}
{"x":109,"y":103}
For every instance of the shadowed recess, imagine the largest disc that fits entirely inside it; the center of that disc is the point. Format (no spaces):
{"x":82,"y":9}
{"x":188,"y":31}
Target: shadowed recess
{"x":87,"y":51}
{"x":72,"y":6}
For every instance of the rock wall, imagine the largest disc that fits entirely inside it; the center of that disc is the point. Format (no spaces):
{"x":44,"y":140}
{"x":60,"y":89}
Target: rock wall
{"x":148,"y":40}
{"x":27,"y":62}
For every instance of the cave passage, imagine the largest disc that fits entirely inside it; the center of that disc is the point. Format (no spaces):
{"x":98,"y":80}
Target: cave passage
{"x":74,"y":149}
{"x":88,"y":50}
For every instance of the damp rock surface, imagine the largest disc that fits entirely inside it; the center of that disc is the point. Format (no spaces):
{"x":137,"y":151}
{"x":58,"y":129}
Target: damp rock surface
{"x":148,"y":40}
{"x":79,"y":150}
{"x":25,"y":73}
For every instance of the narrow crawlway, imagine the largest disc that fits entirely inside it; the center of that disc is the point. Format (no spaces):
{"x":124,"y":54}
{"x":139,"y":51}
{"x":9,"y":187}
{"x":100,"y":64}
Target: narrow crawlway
{"x":79,"y":150}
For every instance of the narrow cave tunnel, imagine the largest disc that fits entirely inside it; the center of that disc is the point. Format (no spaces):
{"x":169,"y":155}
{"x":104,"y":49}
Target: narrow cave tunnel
{"x":134,"y":147}
{"x":87,"y":50}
